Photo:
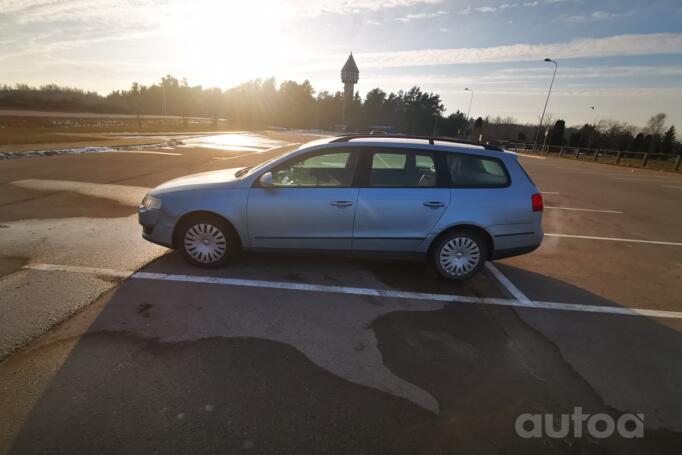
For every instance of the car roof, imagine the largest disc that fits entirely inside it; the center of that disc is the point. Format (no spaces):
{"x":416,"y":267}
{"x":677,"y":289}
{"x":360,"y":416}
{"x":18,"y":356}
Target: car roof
{"x":421,"y":142}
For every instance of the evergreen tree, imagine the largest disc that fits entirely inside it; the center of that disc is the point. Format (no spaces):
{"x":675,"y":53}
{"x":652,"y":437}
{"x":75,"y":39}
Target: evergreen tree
{"x":668,"y":140}
{"x":556,"y":136}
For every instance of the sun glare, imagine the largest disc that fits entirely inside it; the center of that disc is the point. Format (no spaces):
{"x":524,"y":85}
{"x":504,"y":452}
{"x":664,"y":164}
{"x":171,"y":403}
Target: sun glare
{"x":223,"y":43}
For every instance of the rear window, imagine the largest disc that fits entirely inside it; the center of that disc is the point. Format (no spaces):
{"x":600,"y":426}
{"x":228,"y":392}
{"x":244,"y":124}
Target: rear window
{"x":476,"y":171}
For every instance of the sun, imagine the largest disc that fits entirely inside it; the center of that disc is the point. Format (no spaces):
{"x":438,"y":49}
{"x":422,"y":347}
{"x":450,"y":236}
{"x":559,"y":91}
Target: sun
{"x":222,"y":43}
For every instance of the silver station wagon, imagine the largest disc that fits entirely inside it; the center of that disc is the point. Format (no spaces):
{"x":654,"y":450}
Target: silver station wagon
{"x":454,"y":203}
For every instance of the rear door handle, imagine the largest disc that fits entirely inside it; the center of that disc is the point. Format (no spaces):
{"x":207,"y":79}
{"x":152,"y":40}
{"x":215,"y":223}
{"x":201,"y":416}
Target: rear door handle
{"x":434,"y":204}
{"x":341,"y":203}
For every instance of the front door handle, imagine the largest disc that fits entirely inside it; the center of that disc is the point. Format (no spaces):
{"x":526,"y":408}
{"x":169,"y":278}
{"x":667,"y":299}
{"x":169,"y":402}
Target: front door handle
{"x":341,"y":203}
{"x":434,"y":204}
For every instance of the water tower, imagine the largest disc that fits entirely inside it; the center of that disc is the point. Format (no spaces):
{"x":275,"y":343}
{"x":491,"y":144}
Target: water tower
{"x":350,"y":74}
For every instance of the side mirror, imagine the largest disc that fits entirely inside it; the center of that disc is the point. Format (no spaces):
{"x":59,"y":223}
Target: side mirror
{"x":266,"y":180}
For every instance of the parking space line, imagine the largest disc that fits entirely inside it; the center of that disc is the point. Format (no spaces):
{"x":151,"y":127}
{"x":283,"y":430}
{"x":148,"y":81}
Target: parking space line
{"x":613,"y":239}
{"x":549,"y":192}
{"x":673,"y":186}
{"x":306,"y":287}
{"x":582,"y":210}
{"x":79,"y":269}
{"x":643,"y":179}
{"x":523,"y":302}
{"x":525,"y":155}
{"x":509,"y":286}
{"x":148,"y":152}
{"x":225,"y":158}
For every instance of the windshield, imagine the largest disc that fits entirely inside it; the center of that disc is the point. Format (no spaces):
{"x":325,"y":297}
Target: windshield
{"x":251,"y":169}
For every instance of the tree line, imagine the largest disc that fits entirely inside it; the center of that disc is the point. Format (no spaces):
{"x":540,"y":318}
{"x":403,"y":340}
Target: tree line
{"x":261,"y":103}
{"x":655,"y":137}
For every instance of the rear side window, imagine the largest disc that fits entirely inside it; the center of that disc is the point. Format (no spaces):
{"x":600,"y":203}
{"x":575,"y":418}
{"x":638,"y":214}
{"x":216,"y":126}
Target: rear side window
{"x":402,"y":169}
{"x":476,"y":171}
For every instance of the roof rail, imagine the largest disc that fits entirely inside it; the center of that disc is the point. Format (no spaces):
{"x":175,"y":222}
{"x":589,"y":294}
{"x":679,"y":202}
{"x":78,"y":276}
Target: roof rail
{"x":349,"y":137}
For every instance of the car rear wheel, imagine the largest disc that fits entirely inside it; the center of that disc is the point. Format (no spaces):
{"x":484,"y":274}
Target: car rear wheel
{"x":459,"y":255}
{"x":207,"y":241}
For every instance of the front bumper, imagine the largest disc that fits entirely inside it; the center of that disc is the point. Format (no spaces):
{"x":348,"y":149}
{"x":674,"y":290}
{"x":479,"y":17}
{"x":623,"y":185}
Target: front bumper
{"x":156,"y":226}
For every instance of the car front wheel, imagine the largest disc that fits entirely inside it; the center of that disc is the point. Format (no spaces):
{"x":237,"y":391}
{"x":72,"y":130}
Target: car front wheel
{"x":207,"y":241}
{"x":459,"y":255}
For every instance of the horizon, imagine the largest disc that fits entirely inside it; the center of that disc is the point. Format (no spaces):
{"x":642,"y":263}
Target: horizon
{"x":623,"y":58}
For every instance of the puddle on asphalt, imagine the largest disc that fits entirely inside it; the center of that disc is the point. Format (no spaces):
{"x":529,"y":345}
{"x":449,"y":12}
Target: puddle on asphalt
{"x":236,"y":142}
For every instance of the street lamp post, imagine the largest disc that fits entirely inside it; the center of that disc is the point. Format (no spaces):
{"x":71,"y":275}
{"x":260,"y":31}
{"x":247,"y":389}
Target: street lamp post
{"x":542,"y":117}
{"x":471,"y":100}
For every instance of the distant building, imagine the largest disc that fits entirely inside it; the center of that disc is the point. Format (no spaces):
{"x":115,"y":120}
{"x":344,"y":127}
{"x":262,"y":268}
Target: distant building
{"x":350,"y":74}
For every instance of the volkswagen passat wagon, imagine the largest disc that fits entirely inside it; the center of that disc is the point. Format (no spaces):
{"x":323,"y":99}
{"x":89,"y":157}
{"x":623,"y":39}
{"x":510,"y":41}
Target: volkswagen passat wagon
{"x":453,"y":203}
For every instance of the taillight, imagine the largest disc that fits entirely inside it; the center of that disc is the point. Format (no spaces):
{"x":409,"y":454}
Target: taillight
{"x":536,"y":202}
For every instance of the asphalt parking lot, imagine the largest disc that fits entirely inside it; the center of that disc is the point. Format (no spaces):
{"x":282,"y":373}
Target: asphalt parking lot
{"x":310,"y":353}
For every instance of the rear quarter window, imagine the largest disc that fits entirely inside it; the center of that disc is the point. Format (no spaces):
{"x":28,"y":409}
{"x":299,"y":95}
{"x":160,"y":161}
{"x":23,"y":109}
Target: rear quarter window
{"x":471,"y":171}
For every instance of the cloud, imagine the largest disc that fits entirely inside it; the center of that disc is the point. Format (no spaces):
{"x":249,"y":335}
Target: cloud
{"x":621,"y":45}
{"x":504,"y":6}
{"x":596,"y":16}
{"x":307,"y":8}
{"x":524,"y":79}
{"x":596,"y":72}
{"x":417,"y":16}
{"x":45,"y":11}
{"x":47,"y":47}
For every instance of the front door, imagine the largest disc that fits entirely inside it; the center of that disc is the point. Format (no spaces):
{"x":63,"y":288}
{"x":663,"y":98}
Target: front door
{"x":400,"y":203}
{"x":310,"y":206}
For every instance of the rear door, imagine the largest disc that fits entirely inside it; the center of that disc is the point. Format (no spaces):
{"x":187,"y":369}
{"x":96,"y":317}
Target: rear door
{"x":401,"y":198}
{"x":310,"y":206}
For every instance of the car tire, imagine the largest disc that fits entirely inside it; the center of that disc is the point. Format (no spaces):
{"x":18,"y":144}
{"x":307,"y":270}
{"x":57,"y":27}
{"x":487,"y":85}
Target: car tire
{"x":207,"y":241}
{"x":459,"y":254}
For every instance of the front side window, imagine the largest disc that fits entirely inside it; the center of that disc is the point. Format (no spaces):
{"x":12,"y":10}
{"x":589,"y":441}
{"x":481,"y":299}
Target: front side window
{"x":334,"y":169}
{"x":476,"y":171}
{"x":402,"y":169}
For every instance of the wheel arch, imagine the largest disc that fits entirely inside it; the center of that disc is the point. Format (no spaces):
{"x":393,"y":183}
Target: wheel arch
{"x":197,"y":213}
{"x":490,"y":243}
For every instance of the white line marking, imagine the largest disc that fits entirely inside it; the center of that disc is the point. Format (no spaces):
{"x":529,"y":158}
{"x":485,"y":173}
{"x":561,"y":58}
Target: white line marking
{"x":148,"y":152}
{"x":549,"y":192}
{"x":304,"y":287}
{"x":617,"y":172}
{"x":673,"y":186}
{"x":531,"y":156}
{"x":513,"y":290}
{"x":78,"y":269}
{"x":222,"y":158}
{"x":358,"y":291}
{"x":614,"y":239}
{"x":643,"y":179}
{"x":582,"y":210}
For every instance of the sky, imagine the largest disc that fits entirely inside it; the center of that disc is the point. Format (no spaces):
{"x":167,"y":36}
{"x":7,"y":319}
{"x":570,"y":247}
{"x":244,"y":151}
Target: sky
{"x":622,"y":57}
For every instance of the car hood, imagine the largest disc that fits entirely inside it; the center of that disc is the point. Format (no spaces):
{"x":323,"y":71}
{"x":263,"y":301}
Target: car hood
{"x":223,"y":178}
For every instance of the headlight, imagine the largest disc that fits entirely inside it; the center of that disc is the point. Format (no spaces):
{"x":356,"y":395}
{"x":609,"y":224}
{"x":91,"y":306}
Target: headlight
{"x":151,"y":202}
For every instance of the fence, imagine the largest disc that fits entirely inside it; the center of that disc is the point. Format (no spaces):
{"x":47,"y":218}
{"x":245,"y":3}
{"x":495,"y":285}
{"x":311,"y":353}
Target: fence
{"x":659,"y":161}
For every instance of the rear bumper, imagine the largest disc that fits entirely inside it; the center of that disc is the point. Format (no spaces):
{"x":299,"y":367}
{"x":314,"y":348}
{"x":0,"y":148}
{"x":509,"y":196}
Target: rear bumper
{"x":515,"y":240}
{"x":516,"y":251}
